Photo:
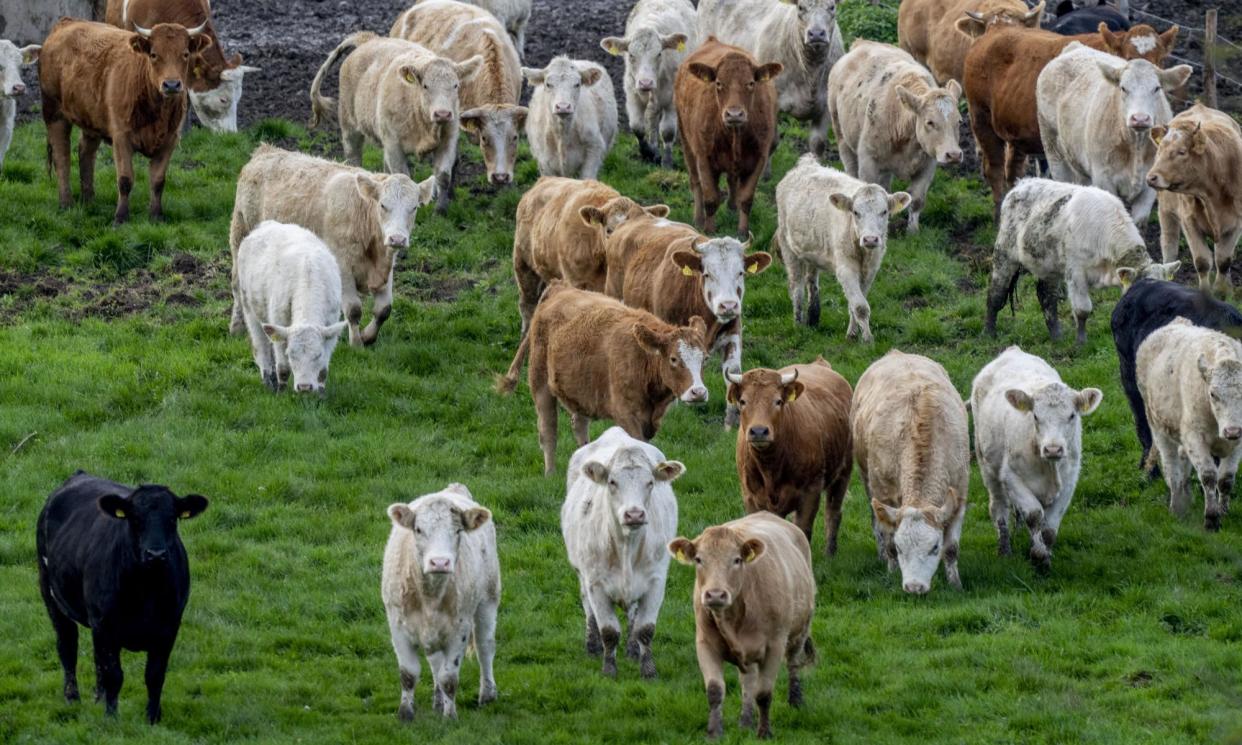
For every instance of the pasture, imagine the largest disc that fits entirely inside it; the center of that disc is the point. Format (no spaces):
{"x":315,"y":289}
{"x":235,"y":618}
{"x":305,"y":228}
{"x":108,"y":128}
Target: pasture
{"x":115,"y":358}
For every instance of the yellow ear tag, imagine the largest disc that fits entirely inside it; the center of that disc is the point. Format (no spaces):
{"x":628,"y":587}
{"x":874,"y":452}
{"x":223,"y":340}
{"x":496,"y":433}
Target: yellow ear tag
{"x":612,"y":49}
{"x":185,"y":514}
{"x":120,"y":513}
{"x":681,"y":555}
{"x":409,"y":77}
{"x":752,"y":269}
{"x":681,"y":47}
{"x":687,"y":271}
{"x":198,"y":71}
{"x":750,"y":557}
{"x":792,"y":397}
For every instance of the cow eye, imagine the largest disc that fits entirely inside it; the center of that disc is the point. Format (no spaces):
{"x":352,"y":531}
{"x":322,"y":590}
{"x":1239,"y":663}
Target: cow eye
{"x":750,"y":86}
{"x":934,"y":551}
{"x":719,"y":85}
{"x":612,"y":484}
{"x":1181,"y":152}
{"x":1156,"y":89}
{"x":1035,"y":417}
{"x":154,"y":56}
{"x":1071,"y":417}
{"x":737,"y":561}
{"x":673,"y":360}
{"x":698,"y":560}
{"x":741,"y":402}
{"x":185,"y":55}
{"x":780,"y":402}
{"x":931,"y":124}
{"x":706,"y":275}
{"x":418,"y":530}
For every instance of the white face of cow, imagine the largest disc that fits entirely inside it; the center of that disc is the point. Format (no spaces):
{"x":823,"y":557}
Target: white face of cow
{"x":1225,"y":395}
{"x":869,"y":210}
{"x":309,"y":352}
{"x":937,"y":121}
{"x":438,"y":526}
{"x":1142,"y":87}
{"x":630,"y":479}
{"x":919,"y":545}
{"x":440,"y":81}
{"x":12,"y":60}
{"x":562,"y":84}
{"x":495,"y":130}
{"x":396,"y":199}
{"x":644,"y":51}
{"x":817,"y":19}
{"x":217,"y":109}
{"x":1054,"y":410}
{"x":692,"y":357}
{"x":724,"y":266}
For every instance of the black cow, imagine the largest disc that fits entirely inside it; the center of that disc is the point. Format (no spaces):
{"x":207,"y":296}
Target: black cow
{"x":110,"y":559}
{"x":1145,"y":307}
{"x":1088,"y":20}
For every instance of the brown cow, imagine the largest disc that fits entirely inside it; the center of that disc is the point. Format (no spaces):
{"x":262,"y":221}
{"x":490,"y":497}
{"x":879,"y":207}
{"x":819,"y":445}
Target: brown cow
{"x":207,"y":65}
{"x":927,"y":29}
{"x":602,"y":360}
{"x":754,"y":596}
{"x":125,"y":88}
{"x":1002,"y":68}
{"x":726,"y":121}
{"x":794,"y":442}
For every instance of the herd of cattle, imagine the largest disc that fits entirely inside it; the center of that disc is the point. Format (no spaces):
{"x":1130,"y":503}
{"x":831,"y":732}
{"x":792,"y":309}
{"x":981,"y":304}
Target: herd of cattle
{"x":621,"y":307}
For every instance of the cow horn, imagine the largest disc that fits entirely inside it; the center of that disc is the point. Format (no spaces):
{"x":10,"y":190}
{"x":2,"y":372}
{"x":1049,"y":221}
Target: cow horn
{"x":750,"y":238}
{"x":733,"y":376}
{"x":144,"y":32}
{"x":974,"y":15}
{"x":697,"y":245}
{"x":197,"y":29}
{"x":789,"y":377}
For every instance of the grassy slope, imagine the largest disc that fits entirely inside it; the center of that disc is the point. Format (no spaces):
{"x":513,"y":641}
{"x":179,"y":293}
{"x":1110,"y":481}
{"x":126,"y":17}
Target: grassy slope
{"x":1132,"y":638}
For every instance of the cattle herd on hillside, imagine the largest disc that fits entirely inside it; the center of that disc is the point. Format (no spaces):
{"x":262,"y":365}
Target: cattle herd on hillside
{"x":620,"y":308}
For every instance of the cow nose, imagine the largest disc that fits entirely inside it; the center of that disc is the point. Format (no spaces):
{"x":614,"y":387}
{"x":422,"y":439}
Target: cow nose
{"x":442,"y":115}
{"x":759,"y":433}
{"x":1140,"y":121}
{"x":726,"y":307}
{"x":1233,"y":433}
{"x":635,"y":516}
{"x":716,"y":598}
{"x":440,"y":564}
{"x":172,"y":87}
{"x":953,"y":157}
{"x":398,"y":241}
{"x":1153,"y":181}
{"x":697,"y":394}
{"x":870,"y":241}
{"x":564,"y":109}
{"x":18,"y":89}
{"x":304,"y":387}
{"x":915,"y":588}
{"x":646,"y":84}
{"x":816,"y":35}
{"x":154,"y":554}
{"x":500,"y":179}
{"x":735,"y":115}
{"x":1054,"y":452}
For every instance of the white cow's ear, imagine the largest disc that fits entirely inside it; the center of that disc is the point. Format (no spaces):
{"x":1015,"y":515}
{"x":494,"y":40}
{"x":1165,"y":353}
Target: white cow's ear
{"x":401,"y":515}
{"x":1204,"y":369}
{"x":1169,"y":270}
{"x":1110,"y":72}
{"x":333,"y":331}
{"x":30,"y":54}
{"x":669,"y":470}
{"x":953,"y":504}
{"x":473,"y":518}
{"x":1174,"y":77}
{"x":752,"y":549}
{"x":534,"y":77}
{"x":908,"y":99}
{"x":457,"y":488}
{"x":1019,"y":399}
{"x":276,"y":333}
{"x":674,"y":41}
{"x":841,"y":202}
{"x":426,"y":191}
{"x":614,"y":45}
{"x":596,"y":472}
{"x":954,"y":89}
{"x":468,"y":69}
{"x":591,"y":76}
{"x":1125,"y":275}
{"x":367,"y":187}
{"x":889,"y":516}
{"x":1087,"y":400}
{"x":898,"y":202}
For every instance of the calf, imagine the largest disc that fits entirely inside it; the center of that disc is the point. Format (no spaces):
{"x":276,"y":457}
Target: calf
{"x":913,"y":452}
{"x":601,"y":359}
{"x":110,"y":559}
{"x":289,"y":288}
{"x":891,"y":120}
{"x":573,"y":117}
{"x":658,"y":34}
{"x":794,"y":443}
{"x":12,"y":60}
{"x":929,"y":29}
{"x":1145,"y":307}
{"x":441,"y":591}
{"x":1190,"y":379}
{"x":828,"y":221}
{"x":1059,"y":232}
{"x":364,"y":218}
{"x":1095,"y":115}
{"x":754,"y":597}
{"x":399,"y":96}
{"x":118,"y":86}
{"x":1028,"y":442}
{"x":1198,"y":172}
{"x":619,"y":514}
{"x":726,"y":120}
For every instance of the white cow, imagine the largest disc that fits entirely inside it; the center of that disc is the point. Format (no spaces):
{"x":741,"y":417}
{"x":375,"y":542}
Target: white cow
{"x":828,"y":221}
{"x":441,"y":591}
{"x":290,"y":293}
{"x":1095,"y":115}
{"x":217,"y":108}
{"x":1028,"y":443}
{"x":658,"y":36}
{"x":573,"y":117}
{"x":618,"y":516}
{"x":12,"y":60}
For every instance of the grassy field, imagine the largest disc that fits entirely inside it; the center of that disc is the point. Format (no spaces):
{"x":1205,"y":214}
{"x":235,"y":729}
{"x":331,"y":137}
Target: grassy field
{"x":115,"y":358}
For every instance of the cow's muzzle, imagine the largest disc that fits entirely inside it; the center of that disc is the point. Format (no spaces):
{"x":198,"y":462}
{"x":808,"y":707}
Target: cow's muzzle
{"x":759,"y":437}
{"x":442,"y":115}
{"x":1139,"y":122}
{"x":397,"y":241}
{"x":816,"y":37}
{"x":951,"y":157}
{"x":1053,"y":452}
{"x":734,"y":117}
{"x":563,"y":110}
{"x":439,"y":565}
{"x":154,"y":555}
{"x":1231,"y":433}
{"x":1155,"y":181}
{"x":634,"y":517}
{"x":915,"y":588}
{"x":646,"y":85}
{"x":171,"y":87}
{"x":18,"y":89}
{"x":500,"y":179}
{"x":870,"y":241}
{"x":695,"y":395}
{"x":717,"y":599}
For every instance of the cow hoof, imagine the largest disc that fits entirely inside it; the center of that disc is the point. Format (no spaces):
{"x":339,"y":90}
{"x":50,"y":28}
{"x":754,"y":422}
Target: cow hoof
{"x":153,"y":717}
{"x":648,"y":669}
{"x":747,"y":719}
{"x":405,"y":713}
{"x":632,"y":650}
{"x":610,"y":668}
{"x":764,"y":732}
{"x":1211,"y":523}
{"x":487,"y":695}
{"x":1042,"y":564}
{"x":71,"y":693}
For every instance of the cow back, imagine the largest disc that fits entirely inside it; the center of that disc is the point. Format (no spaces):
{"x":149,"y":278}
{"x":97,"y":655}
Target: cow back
{"x":459,"y":31}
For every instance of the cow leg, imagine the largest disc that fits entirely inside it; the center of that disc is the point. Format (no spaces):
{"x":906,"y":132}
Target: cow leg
{"x":58,"y":132}
{"x":804,"y":518}
{"x":282,"y":364}
{"x":1015,"y":166}
{"x":353,"y":142}
{"x":396,"y":160}
{"x":545,"y":408}
{"x":1224,"y":250}
{"x":709,"y":189}
{"x":609,"y":627}
{"x":849,"y":157}
{"x":1173,"y":467}
{"x":446,"y":667}
{"x":1048,"y":293}
{"x":408,"y":666}
{"x":530,"y":287}
{"x":157,"y":668}
{"x":638,"y":115}
{"x":1000,"y":287}
{"x":812,"y":295}
{"x":919,"y":186}
{"x":1031,"y":510}
{"x":88,"y":147}
{"x":108,"y":673}
{"x":710,"y":665}
{"x":1199,"y":452}
{"x":748,"y":677}
{"x":157,"y":172}
{"x":832,"y":511}
{"x":952,"y":543}
{"x":1055,"y":513}
{"x":800,"y":653}
{"x":594,"y":158}
{"x":745,"y":200}
{"x":696,"y":189}
{"x":261,"y":349}
{"x":856,"y":299}
{"x":631,"y":639}
{"x":999,"y":509}
{"x":765,"y":682}
{"x":668,"y":135}
{"x":123,"y":155}
{"x":443,"y":162}
{"x":644,"y":623}
{"x":1170,"y":230}
{"x":992,"y":155}
{"x":1226,"y":470}
{"x":66,"y":638}
{"x":794,"y":270}
{"x":351,"y":304}
{"x":485,"y":647}
{"x":1201,"y":255}
{"x":381,"y":308}
{"x":731,"y":359}
{"x":1080,"y":303}
{"x":1141,"y":209}
{"x":582,"y":428}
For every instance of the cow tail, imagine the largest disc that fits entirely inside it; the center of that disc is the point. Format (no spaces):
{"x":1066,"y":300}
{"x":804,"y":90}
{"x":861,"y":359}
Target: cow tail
{"x":1012,"y":294}
{"x":808,"y":656}
{"x":322,"y":107}
{"x":507,"y":383}
{"x":49,"y":156}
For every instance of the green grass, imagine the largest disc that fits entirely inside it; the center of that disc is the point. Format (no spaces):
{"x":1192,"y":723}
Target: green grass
{"x":1132,"y":638}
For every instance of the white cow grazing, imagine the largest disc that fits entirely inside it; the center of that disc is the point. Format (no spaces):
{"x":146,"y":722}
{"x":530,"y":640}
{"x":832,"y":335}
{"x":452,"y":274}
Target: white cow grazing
{"x":217,"y":108}
{"x":1095,"y":115}
{"x":441,"y":587}
{"x":1028,"y":443}
{"x":828,"y":221}
{"x":12,"y":60}
{"x":1060,"y":232}
{"x":290,"y":295}
{"x":618,"y":516}
{"x":573,"y":117}
{"x":891,"y":119}
{"x":658,"y":36}
{"x":802,"y":35}
{"x":1191,"y":381}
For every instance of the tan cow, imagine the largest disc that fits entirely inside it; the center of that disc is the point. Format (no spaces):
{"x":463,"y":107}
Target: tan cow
{"x":928,"y":29}
{"x":754,"y":596}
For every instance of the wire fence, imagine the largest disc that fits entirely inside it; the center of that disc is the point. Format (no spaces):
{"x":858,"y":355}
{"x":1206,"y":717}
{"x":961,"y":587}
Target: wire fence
{"x":1190,"y":29}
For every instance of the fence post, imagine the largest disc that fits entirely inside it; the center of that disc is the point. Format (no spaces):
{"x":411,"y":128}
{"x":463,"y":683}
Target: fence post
{"x":1209,"y":57}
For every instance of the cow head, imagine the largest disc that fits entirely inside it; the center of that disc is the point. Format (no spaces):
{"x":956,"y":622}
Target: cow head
{"x":721,"y":557}
{"x":817,"y":20}
{"x":616,"y":212}
{"x":308,"y":348}
{"x":1128,"y":275}
{"x":1224,"y":384}
{"x":735,"y":79}
{"x":1054,"y":410}
{"x":630,"y":478}
{"x":438,"y":524}
{"x":495,"y":128}
{"x":677,"y":357}
{"x":394,"y":201}
{"x":438,"y":81}
{"x":869,"y":209}
{"x":1143,"y":87}
{"x":975,"y":24}
{"x":917,"y":536}
{"x":762,"y":396}
{"x":168,"y":47}
{"x":1181,"y":155}
{"x":644,"y":51}
{"x":12,"y":60}
{"x":562,"y":81}
{"x":152,"y":512}
{"x":937,"y":120}
{"x":217,"y":108}
{"x":723,"y":265}
{"x":1140,"y":42}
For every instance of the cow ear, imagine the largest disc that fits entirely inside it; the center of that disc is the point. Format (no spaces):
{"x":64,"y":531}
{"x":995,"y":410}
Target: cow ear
{"x":1087,"y":400}
{"x":682,"y":550}
{"x":409,"y":73}
{"x":468,"y":69}
{"x":593,"y":216}
{"x":470,"y":119}
{"x":1032,"y":18}
{"x":1169,"y":38}
{"x":1111,"y":40}
{"x":591,"y":76}
{"x":757,"y":262}
{"x":426,"y":190}
{"x":334,"y":331}
{"x":614,"y":45}
{"x":674,"y":41}
{"x":888,"y":516}
{"x":650,"y":340}
{"x":367,"y":187}
{"x":703,"y":72}
{"x":954,"y":89}
{"x":201,"y":43}
{"x":276,"y":333}
{"x":669,"y":470}
{"x":534,"y":76}
{"x":474,"y":518}
{"x":972,"y":27}
{"x":595,"y":471}
{"x":1019,"y":399}
{"x":1169,"y":270}
{"x":519,"y":116}
{"x":898,"y":202}
{"x":841,"y":201}
{"x":191,"y":505}
{"x":1174,"y":77}
{"x":734,"y":393}
{"x":689,"y":262}
{"x":1110,"y":71}
{"x":114,"y":505}
{"x":1204,"y":369}
{"x":30,"y":54}
{"x":1157,"y":134}
{"x":697,"y":325}
{"x":1125,"y":275}
{"x":911,"y":101}
{"x":235,"y":62}
{"x":764,"y":73}
{"x":657,"y":210}
{"x":401,"y":515}
{"x":952,"y":506}
{"x":140,"y":44}
{"x":793,"y":390}
{"x":752,"y":549}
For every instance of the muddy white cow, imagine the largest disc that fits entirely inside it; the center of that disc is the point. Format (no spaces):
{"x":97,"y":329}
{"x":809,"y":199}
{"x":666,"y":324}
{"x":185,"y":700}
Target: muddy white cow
{"x":619,"y":514}
{"x":828,"y":221}
{"x":1028,"y":442}
{"x":1095,"y":115}
{"x":913,"y":452}
{"x":12,"y":60}
{"x":290,"y":288}
{"x":399,"y":96}
{"x":573,"y":117}
{"x":802,"y":35}
{"x":441,"y":592}
{"x":1190,"y":378}
{"x":754,"y":597}
{"x":1198,"y":172}
{"x":892,"y":120}
{"x":365,"y":218}
{"x":658,"y":35}
{"x":1062,"y":233}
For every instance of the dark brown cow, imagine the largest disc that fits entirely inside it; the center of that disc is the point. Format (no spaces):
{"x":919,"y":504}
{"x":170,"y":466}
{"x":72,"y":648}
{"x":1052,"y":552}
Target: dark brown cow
{"x":1001,"y":70}
{"x":794,"y":442}
{"x":207,"y":65}
{"x":120,"y":87}
{"x":602,"y":360}
{"x":726,"y":121}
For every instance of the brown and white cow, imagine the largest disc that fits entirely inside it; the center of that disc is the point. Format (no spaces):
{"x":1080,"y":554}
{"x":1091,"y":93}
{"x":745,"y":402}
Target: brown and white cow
{"x":603,"y":360}
{"x":126,"y":88}
{"x":794,"y":442}
{"x":754,"y":596}
{"x":928,"y":29}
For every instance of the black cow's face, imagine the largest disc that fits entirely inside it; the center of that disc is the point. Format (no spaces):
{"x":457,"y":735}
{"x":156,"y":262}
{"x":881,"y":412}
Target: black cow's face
{"x":152,"y":513}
